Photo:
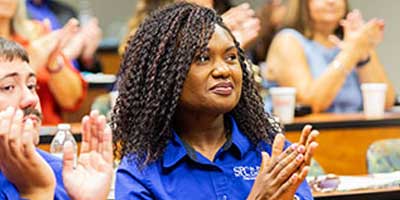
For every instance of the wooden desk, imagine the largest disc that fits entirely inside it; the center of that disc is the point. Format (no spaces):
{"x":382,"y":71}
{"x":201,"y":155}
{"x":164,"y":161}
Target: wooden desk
{"x":345,"y":138}
{"x":384,"y":193}
{"x":110,"y":60}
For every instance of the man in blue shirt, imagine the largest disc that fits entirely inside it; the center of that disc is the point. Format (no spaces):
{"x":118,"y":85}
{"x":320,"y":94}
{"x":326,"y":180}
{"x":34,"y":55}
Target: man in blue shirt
{"x":27,"y":172}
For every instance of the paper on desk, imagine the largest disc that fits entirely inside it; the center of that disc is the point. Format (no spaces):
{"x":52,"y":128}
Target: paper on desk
{"x":99,"y":78}
{"x":366,"y":182}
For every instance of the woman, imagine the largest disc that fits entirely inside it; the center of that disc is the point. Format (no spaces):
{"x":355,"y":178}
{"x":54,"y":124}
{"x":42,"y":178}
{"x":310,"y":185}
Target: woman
{"x":271,"y":15}
{"x":325,"y":71}
{"x":188,"y":122}
{"x":61,"y":87}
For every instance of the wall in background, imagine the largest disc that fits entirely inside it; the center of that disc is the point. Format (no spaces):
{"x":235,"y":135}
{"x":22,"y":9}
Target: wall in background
{"x":389,"y":49}
{"x":114,"y":15}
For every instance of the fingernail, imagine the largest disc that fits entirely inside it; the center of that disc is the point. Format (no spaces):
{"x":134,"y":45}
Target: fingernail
{"x":299,"y":157}
{"x":9,"y":109}
{"x":28,"y":123}
{"x":301,"y":149}
{"x":294,"y":146}
{"x":19,"y":114}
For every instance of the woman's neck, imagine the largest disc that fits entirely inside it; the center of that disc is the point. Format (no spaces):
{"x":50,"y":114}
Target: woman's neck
{"x":321,"y":33}
{"x":5,"y":30}
{"x":204,"y":132}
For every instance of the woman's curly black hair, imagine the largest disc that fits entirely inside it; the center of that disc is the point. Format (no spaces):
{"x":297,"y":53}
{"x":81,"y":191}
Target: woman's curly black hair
{"x":153,"y":71}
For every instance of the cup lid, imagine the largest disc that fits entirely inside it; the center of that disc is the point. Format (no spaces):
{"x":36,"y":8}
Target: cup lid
{"x":63,"y":126}
{"x":282,"y":90}
{"x":373,"y":86}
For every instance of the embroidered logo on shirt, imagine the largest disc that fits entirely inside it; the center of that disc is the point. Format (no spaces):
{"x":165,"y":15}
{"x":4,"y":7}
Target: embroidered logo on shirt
{"x":246,"y":172}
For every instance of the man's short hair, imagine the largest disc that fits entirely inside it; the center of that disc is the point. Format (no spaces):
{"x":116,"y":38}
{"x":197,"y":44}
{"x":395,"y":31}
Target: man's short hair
{"x":10,"y":50}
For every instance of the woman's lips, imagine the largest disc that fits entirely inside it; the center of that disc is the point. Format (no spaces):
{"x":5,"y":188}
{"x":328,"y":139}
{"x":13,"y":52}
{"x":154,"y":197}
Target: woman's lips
{"x":222,"y":88}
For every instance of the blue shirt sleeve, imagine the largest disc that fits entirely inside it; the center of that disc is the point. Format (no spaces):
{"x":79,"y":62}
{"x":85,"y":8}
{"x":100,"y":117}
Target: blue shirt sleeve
{"x":304,"y":191}
{"x":56,"y":165}
{"x":130,"y":182}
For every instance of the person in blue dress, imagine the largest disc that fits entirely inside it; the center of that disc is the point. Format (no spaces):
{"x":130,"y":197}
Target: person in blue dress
{"x":326,"y":53}
{"x":29,"y":173}
{"x":188,"y":122}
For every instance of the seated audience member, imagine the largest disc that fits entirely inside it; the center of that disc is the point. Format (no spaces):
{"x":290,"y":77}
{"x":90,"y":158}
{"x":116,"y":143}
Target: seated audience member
{"x":29,"y":173}
{"x":188,"y":122}
{"x":61,"y":86}
{"x":83,"y":44}
{"x":326,"y":71}
{"x":271,"y":15}
{"x":240,"y":19}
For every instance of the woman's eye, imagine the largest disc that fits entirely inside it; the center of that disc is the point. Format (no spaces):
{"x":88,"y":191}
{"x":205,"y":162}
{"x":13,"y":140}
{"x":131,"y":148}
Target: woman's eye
{"x":203,"y":59}
{"x":231,"y":57}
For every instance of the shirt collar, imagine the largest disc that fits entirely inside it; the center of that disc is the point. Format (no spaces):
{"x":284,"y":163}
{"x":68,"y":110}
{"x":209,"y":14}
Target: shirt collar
{"x":239,"y":139}
{"x":176,"y":149}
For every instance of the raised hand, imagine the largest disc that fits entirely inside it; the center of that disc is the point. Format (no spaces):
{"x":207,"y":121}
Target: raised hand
{"x":91,"y":178}
{"x":45,"y":49}
{"x":360,"y":35}
{"x":279,"y":176}
{"x":19,"y":161}
{"x":242,"y":22}
{"x":93,"y":34}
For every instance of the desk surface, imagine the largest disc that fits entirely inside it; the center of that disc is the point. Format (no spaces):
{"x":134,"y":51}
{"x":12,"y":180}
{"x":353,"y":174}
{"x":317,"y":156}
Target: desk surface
{"x":383,"y":193}
{"x":335,"y":121}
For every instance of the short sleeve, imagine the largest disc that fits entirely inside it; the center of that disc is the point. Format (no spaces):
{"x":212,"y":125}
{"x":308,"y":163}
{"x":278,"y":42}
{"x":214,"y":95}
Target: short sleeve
{"x":130,"y":183}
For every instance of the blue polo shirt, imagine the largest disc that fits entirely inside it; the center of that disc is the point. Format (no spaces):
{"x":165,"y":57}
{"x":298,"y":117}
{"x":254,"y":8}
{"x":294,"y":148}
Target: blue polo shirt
{"x":183,"y":173}
{"x":41,"y":12}
{"x":8,"y":190}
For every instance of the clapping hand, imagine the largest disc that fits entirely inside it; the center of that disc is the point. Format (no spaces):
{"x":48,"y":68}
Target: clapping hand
{"x":360,"y":35}
{"x":19,"y":160}
{"x":91,"y":178}
{"x":243,"y":23}
{"x":281,"y":174}
{"x":46,"y":49}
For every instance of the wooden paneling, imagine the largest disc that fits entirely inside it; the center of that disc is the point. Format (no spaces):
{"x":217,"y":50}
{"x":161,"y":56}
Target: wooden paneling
{"x":110,"y":61}
{"x":343,"y":151}
{"x":345,"y":138}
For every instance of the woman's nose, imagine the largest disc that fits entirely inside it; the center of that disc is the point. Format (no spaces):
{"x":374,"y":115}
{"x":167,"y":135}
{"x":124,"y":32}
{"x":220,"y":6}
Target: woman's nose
{"x":221,"y":70}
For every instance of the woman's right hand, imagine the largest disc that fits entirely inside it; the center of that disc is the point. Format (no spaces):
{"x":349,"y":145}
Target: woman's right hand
{"x":279,"y":175}
{"x":46,"y":48}
{"x":243,"y":23}
{"x":361,"y":37}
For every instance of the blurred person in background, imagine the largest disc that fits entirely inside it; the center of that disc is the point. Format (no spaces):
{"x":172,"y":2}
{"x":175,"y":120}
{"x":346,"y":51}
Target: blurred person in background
{"x":240,"y":19}
{"x":326,"y":53}
{"x":83,"y":44}
{"x":271,"y":15}
{"x":61,"y":87}
{"x":29,"y":173}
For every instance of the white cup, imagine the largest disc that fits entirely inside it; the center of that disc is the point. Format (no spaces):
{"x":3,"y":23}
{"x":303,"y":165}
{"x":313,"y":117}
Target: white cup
{"x":374,"y":99}
{"x":283,"y":103}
